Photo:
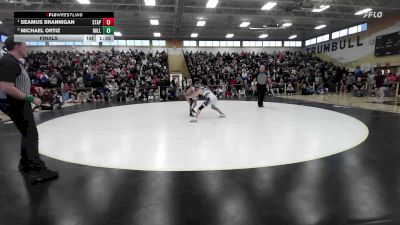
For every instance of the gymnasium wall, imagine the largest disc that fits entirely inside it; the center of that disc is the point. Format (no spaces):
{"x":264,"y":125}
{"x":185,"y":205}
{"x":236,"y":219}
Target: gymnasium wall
{"x":176,"y":62}
{"x":146,"y":49}
{"x":359,"y":49}
{"x":241,"y":49}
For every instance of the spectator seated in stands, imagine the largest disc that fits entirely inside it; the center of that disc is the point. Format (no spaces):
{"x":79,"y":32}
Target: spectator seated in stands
{"x":82,"y":97}
{"x":387,"y":87}
{"x":234,"y":92}
{"x":180,"y":94}
{"x":171,"y":93}
{"x":228,"y":93}
{"x":121,"y":95}
{"x":164,"y":95}
{"x":105,"y":93}
{"x":130,"y":96}
{"x":274,"y":88}
{"x":137,"y":93}
{"x":67,"y":96}
{"x":307,"y":89}
{"x":47,"y":101}
{"x":280,"y":86}
{"x":242,"y":92}
{"x":96,"y":96}
{"x":53,"y":81}
{"x":220,"y":92}
{"x":145,"y":95}
{"x":151,"y":95}
{"x":357,"y":72}
{"x":359,"y":88}
{"x":320,"y":89}
{"x":157,"y":95}
{"x":342,"y":85}
{"x":350,"y":80}
{"x":254,"y":86}
{"x":58,"y":100}
{"x":290,"y":89}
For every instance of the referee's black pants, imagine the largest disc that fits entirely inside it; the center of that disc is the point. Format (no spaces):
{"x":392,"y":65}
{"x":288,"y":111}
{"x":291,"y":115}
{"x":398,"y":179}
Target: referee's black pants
{"x":261,"y":89}
{"x":20,"y":112}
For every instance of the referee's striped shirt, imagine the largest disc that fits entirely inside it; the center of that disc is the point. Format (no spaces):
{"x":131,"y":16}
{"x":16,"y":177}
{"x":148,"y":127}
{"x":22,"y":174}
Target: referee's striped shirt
{"x":262,"y":78}
{"x":12,"y":70}
{"x":23,"y":82}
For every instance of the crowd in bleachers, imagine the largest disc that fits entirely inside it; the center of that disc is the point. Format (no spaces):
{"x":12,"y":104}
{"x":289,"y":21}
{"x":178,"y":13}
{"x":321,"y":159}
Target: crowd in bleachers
{"x":90,"y":76}
{"x":290,"y":72}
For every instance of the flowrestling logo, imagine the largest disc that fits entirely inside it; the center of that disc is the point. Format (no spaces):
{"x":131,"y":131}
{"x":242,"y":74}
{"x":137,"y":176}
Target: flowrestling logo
{"x":373,"y":14}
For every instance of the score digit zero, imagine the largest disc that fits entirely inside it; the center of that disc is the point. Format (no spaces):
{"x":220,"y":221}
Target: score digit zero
{"x":108,"y":21}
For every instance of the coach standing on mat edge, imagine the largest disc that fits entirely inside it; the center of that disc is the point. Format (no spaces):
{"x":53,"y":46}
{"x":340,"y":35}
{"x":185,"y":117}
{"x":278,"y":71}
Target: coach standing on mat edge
{"x":15,"y":101}
{"x":261,"y":85}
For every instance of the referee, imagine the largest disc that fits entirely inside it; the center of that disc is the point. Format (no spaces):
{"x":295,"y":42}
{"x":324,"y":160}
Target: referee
{"x":15,"y":101}
{"x":261,"y":85}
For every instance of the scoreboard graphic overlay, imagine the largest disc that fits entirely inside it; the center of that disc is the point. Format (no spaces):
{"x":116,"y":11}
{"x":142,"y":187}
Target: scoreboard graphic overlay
{"x":64,"y":26}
